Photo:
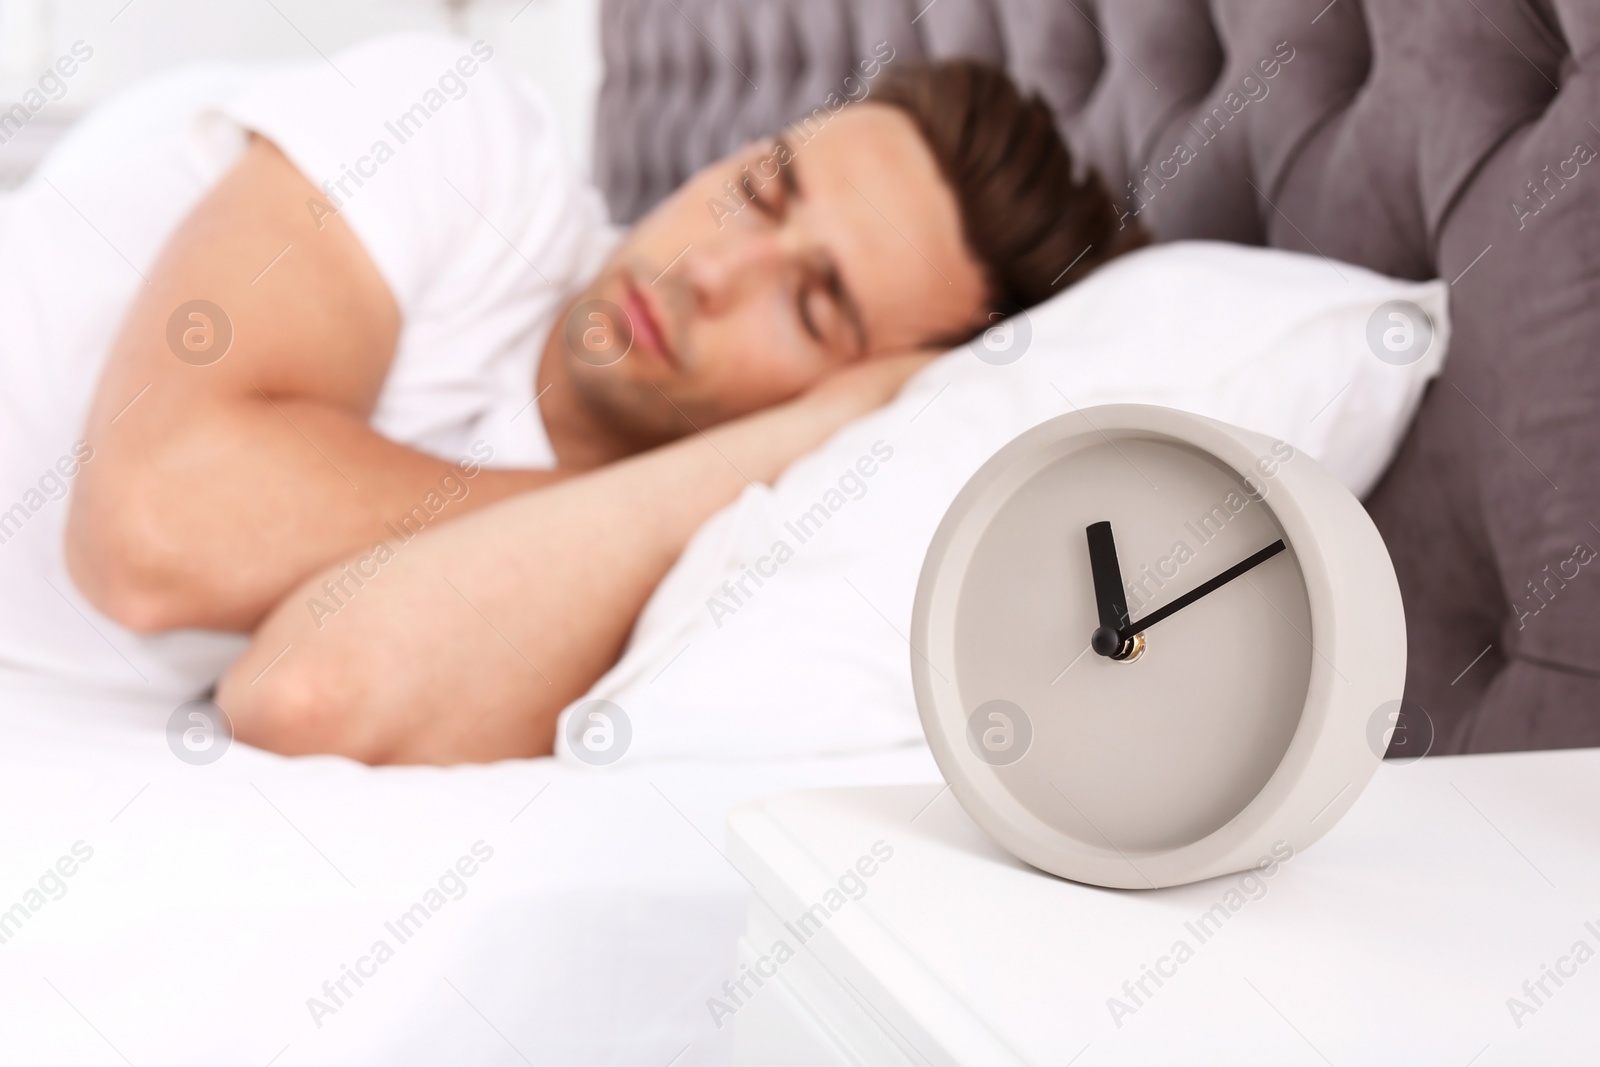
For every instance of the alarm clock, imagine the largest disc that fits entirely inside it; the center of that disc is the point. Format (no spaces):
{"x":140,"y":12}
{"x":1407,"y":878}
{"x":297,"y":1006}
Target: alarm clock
{"x":1147,"y":647}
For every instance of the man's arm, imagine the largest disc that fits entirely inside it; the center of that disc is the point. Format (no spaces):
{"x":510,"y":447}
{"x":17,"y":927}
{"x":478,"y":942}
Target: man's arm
{"x":472,"y":638}
{"x":215,"y":489}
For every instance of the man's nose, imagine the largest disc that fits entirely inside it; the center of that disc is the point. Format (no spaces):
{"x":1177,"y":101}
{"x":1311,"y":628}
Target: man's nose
{"x":718,"y":273}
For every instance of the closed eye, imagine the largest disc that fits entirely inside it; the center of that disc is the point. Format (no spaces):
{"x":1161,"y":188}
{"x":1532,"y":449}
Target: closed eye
{"x":824,"y":305}
{"x":826,"y":310}
{"x":767,"y":207}
{"x":808,"y":295}
{"x":770,"y":195}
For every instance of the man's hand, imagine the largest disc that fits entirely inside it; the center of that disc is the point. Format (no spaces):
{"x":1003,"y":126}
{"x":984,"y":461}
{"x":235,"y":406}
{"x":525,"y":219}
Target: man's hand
{"x":469,"y":642}
{"x":867,"y":384}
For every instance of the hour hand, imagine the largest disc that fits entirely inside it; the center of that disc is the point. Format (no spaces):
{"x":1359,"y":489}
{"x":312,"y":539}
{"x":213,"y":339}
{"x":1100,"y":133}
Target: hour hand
{"x":1110,"y":600}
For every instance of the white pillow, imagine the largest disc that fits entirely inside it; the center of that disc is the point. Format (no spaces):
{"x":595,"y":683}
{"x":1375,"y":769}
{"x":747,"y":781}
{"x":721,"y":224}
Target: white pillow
{"x":811,"y":656}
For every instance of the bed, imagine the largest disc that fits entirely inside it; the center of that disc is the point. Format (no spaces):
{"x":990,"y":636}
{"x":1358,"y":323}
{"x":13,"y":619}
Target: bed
{"x":208,"y":905}
{"x":222,"y":911}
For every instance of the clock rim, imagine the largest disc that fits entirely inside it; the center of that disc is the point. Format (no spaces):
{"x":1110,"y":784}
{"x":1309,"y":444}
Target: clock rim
{"x":1328,"y":743}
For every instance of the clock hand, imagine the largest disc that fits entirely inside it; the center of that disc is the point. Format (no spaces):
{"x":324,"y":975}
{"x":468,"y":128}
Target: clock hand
{"x":1128,"y":632}
{"x":1108,"y":595}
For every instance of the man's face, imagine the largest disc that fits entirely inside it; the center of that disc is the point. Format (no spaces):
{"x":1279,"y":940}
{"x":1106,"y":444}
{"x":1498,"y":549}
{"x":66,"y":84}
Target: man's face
{"x":775,"y":266}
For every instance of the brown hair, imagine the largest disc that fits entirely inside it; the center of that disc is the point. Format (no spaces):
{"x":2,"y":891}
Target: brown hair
{"x":1030,"y":224}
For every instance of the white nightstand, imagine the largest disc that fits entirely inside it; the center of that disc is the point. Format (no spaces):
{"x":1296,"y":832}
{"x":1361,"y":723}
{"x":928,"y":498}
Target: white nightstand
{"x":1439,"y":923}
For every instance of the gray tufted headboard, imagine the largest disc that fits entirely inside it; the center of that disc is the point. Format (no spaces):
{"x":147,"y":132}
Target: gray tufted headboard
{"x":1421,"y":138}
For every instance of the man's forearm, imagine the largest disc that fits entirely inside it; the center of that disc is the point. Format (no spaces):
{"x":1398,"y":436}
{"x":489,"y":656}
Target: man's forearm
{"x":466,"y":644}
{"x":214,"y":523}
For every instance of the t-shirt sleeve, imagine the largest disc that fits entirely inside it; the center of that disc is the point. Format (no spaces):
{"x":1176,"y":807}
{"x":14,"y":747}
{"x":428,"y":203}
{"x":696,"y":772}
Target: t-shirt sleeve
{"x":443,"y":163}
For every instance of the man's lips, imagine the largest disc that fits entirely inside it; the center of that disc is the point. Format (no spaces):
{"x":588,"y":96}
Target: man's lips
{"x":647,"y":330}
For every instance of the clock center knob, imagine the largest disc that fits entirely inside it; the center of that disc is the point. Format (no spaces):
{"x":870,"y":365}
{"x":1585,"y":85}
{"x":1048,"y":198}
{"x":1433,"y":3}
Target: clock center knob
{"x":1106,"y":642}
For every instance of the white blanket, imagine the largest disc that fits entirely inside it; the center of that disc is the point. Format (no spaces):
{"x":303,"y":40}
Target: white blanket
{"x":216,"y":901}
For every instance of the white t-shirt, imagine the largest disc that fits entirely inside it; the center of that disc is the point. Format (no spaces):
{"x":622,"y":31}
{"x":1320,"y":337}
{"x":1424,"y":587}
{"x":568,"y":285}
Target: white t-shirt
{"x":444,"y":164}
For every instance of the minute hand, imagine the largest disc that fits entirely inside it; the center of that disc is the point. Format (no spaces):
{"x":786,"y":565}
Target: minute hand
{"x":1200,"y":590}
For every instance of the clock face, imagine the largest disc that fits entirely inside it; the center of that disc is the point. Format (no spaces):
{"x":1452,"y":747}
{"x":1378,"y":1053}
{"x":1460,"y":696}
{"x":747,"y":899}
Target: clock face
{"x":1150,"y":648}
{"x":1161,"y":731}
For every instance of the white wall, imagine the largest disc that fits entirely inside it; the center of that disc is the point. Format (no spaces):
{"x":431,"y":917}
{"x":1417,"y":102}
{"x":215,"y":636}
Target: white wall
{"x":554,"y":43}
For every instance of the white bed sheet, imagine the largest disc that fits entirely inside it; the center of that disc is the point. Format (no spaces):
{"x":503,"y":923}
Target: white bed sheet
{"x":218,"y":899}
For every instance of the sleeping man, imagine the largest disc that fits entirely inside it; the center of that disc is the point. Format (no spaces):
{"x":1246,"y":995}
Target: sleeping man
{"x":360,"y":394}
